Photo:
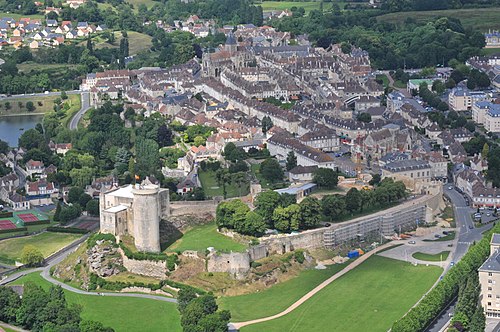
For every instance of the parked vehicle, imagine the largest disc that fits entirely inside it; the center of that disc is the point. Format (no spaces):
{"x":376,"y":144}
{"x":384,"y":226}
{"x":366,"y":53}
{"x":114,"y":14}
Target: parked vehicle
{"x":411,"y":242}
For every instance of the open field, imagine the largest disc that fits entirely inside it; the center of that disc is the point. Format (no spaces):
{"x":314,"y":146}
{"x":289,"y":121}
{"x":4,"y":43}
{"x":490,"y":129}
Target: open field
{"x":201,"y":237}
{"x":120,"y":313}
{"x":277,"y":298}
{"x":282,"y":5}
{"x":18,"y":16}
{"x":48,"y":243}
{"x":47,"y":104}
{"x":369,"y":298}
{"x":26,"y":67}
{"x":479,"y":18}
{"x":442,"y":256}
{"x":489,"y":51}
{"x":137,"y":41}
{"x":148,"y":3}
{"x":212,"y":188}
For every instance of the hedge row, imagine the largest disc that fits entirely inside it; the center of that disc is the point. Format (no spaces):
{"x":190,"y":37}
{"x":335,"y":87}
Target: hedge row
{"x":12,"y":230}
{"x":96,"y":281}
{"x":73,"y":230}
{"x":6,"y":214}
{"x":38,"y":222}
{"x":420,"y":316}
{"x":171,"y":260}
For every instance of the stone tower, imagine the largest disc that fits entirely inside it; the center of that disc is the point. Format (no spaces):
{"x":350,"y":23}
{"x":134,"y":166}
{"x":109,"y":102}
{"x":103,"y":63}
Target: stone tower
{"x":147,"y":215}
{"x":231,"y":45}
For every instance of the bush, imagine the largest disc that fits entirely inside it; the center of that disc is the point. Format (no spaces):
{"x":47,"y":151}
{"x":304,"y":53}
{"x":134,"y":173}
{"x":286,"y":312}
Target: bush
{"x":73,"y":230}
{"x":92,"y":241}
{"x":299,"y":256}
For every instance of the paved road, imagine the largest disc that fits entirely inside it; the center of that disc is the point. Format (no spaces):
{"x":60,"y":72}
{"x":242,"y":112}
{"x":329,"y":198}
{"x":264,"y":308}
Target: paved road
{"x":73,"y":124}
{"x":56,"y":259}
{"x":466,"y":235}
{"x":318,"y":288}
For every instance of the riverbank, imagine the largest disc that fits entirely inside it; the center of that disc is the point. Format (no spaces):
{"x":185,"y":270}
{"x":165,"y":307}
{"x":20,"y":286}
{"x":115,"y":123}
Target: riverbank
{"x":41,"y":104}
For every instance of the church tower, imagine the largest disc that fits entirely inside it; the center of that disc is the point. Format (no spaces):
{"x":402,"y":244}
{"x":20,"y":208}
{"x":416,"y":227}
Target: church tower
{"x":231,"y":45}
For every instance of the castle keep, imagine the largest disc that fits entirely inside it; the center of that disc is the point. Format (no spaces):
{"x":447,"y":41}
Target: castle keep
{"x":135,"y":210}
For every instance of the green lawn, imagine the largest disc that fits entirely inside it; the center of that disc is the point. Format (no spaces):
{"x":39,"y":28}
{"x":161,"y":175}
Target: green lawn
{"x":477,"y":18}
{"x":121,"y":313}
{"x":148,"y":3}
{"x":489,"y":51}
{"x":48,"y":243}
{"x":385,"y":80}
{"x":255,"y":168}
{"x":282,"y":5}
{"x":28,"y":66}
{"x":442,"y":256}
{"x":400,"y":85}
{"x":201,"y":237}
{"x":277,"y":298}
{"x":369,"y":298}
{"x":47,"y":104}
{"x":137,"y":41}
{"x":212,"y":188}
{"x":18,"y":16}
{"x":450,"y":236}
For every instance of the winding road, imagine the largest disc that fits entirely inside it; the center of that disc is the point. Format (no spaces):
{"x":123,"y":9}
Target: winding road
{"x":56,"y":259}
{"x":85,"y":97}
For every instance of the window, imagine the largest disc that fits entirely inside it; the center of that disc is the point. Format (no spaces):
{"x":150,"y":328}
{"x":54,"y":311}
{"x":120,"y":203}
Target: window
{"x":489,"y":296}
{"x":490,"y":274}
{"x":490,"y":281}
{"x":489,"y":303}
{"x":489,"y":288}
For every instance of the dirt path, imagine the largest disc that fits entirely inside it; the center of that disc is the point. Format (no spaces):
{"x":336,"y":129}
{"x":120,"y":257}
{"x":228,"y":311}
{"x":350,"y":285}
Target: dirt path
{"x":318,"y":288}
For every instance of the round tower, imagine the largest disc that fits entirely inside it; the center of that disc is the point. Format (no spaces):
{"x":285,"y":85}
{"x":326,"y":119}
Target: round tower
{"x":146,"y":206}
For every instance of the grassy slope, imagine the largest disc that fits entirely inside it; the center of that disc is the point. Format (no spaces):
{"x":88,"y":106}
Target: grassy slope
{"x":148,"y":3}
{"x":282,"y":5}
{"x":47,"y":104}
{"x":278,"y":297}
{"x":18,"y":16}
{"x":212,"y":188}
{"x":137,"y":41}
{"x":479,"y":18}
{"x":199,"y":238}
{"x":47,"y":243}
{"x":369,"y":298}
{"x":431,"y":257}
{"x":120,"y":313}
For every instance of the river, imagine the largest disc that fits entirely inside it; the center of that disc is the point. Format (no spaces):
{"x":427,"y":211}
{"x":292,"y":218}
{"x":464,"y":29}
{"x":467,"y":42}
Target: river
{"x":11,"y":127}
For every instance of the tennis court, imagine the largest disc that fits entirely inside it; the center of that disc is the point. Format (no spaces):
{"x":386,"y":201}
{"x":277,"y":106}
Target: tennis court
{"x":27,"y":217}
{"x":6,"y":224}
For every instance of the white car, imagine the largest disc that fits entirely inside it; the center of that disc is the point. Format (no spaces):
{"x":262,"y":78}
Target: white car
{"x":450,"y":188}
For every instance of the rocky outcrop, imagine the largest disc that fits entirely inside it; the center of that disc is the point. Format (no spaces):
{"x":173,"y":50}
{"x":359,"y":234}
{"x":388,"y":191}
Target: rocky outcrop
{"x":103,"y":259}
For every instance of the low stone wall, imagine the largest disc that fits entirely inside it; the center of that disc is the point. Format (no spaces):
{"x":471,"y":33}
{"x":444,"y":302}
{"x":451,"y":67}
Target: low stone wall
{"x":155,"y":269}
{"x":135,"y":289}
{"x":235,"y":263}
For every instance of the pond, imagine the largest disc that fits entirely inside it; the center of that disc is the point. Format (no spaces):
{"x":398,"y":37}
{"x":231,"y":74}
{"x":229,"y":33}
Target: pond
{"x":12,"y":127}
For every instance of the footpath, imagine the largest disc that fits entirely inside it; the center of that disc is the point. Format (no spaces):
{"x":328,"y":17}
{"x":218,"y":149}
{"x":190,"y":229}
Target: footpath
{"x":318,"y":288}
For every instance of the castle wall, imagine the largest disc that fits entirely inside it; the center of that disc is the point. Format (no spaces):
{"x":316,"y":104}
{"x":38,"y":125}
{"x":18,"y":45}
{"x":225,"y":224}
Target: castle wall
{"x":155,"y":269}
{"x":237,"y":264}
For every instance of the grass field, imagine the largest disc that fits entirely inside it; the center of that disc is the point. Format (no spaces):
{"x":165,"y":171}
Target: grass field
{"x":46,"y":101}
{"x":489,"y":51}
{"x":26,"y":67}
{"x":137,"y":41}
{"x":277,"y":298}
{"x":282,"y":5}
{"x":201,"y":237}
{"x":385,"y":80}
{"x":212,"y":188}
{"x":18,"y":16}
{"x":148,"y":3}
{"x":442,"y":256}
{"x":478,"y":18}
{"x":48,"y":243}
{"x":369,"y":298}
{"x":120,"y":313}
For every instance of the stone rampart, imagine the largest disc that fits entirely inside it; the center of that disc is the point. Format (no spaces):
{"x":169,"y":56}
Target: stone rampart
{"x":235,"y":263}
{"x":155,"y":269}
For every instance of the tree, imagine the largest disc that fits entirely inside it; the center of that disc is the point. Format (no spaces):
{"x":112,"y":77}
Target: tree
{"x":353,"y":200}
{"x":30,"y":107}
{"x":185,"y":296}
{"x":254,"y":224}
{"x":271,"y":170}
{"x":485,"y":151}
{"x":57,"y":214}
{"x":309,"y":213}
{"x":31,"y":139}
{"x":286,"y":219}
{"x":333,"y":206}
{"x":69,"y":213}
{"x":147,"y":155}
{"x":164,"y":136}
{"x":325,"y":178}
{"x":376,"y":178}
{"x":92,"y":207}
{"x":265,"y":203}
{"x":9,"y":303}
{"x":84,"y":199}
{"x":74,"y":194}
{"x":267,"y":124}
{"x":64,"y":95}
{"x":478,"y":321}
{"x":228,"y":214}
{"x":31,"y":256}
{"x":291,"y":160}
{"x":4,"y":147}
{"x":365,"y":117}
